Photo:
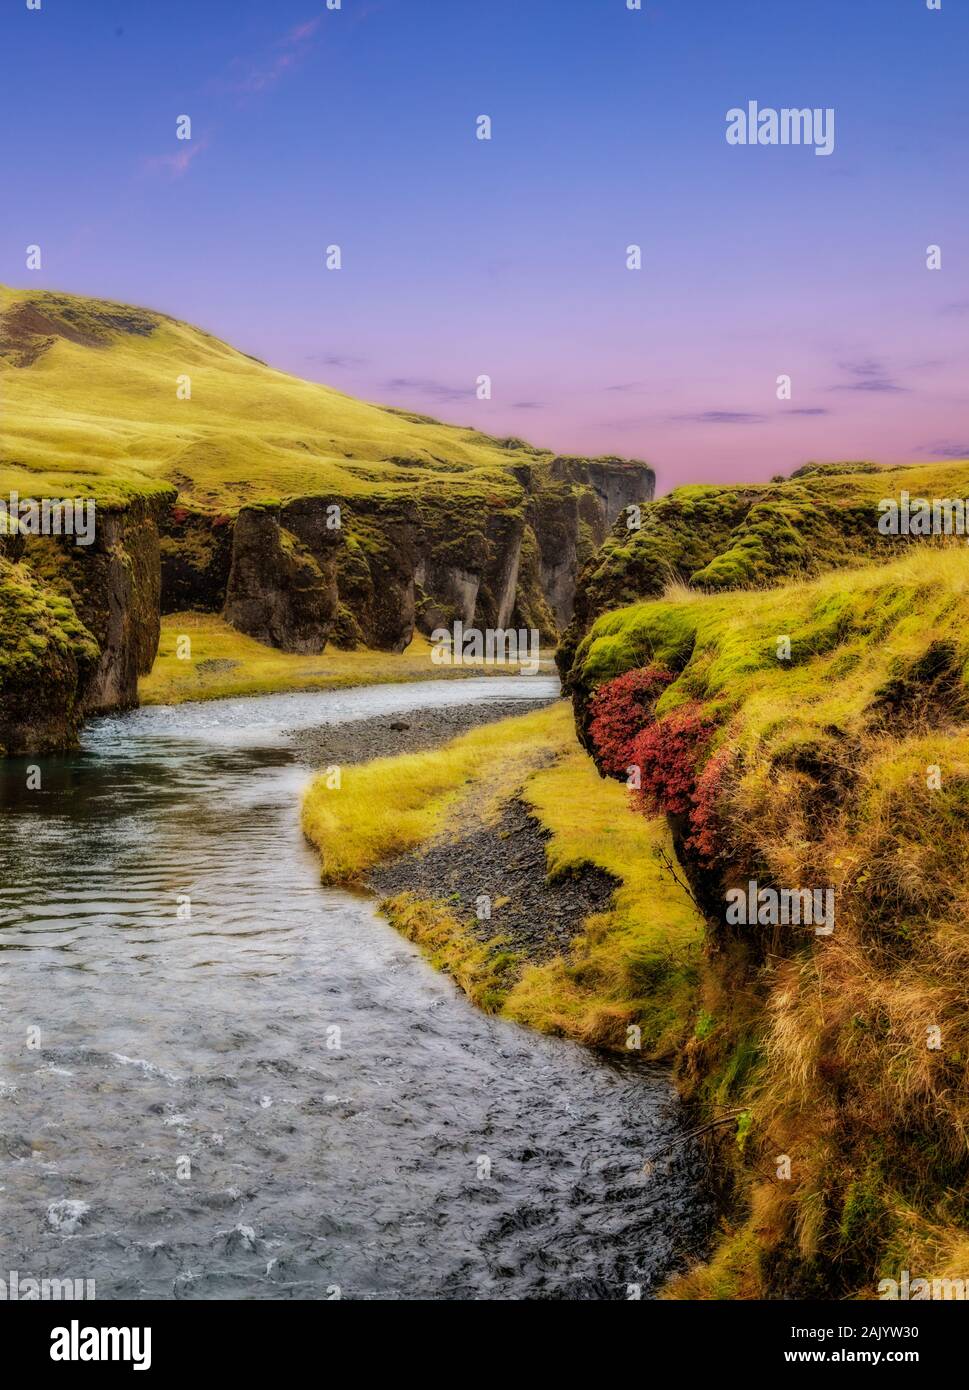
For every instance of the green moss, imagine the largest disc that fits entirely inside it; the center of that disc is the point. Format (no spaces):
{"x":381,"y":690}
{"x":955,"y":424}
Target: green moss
{"x":746,"y":537}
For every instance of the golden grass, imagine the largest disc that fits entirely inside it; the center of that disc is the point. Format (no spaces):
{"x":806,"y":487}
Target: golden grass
{"x":385,"y":808}
{"x":255,"y":669}
{"x":88,"y":416}
{"x":850,"y":767}
{"x":632,"y":966}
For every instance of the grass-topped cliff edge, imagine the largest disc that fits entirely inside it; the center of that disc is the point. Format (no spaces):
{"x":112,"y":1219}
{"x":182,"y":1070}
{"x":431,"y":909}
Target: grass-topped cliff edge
{"x":817,"y":734}
{"x":713,"y":537}
{"x":304,"y":518}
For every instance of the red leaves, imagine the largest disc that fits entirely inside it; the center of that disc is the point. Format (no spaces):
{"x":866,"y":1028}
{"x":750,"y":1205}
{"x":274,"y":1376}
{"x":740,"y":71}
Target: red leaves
{"x":674,"y":775}
{"x":620,"y":709}
{"x":669,"y":753}
{"x":704,"y":815}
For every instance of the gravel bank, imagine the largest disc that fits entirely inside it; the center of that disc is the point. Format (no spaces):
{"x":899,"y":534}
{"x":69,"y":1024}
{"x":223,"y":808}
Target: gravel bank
{"x":413,"y":732}
{"x":506,"y":863}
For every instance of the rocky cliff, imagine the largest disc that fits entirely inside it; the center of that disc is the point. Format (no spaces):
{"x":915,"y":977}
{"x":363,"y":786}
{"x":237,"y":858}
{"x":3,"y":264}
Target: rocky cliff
{"x":302,"y":515}
{"x":371,"y":570}
{"x":78,"y":624}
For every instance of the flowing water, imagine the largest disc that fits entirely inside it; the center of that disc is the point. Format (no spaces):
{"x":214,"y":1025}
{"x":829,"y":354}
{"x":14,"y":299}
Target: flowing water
{"x":275,"y":1096}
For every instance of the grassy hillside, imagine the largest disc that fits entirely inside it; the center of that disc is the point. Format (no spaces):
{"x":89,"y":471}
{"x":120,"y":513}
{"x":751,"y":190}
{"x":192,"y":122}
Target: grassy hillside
{"x":90,"y":394}
{"x":840,"y":761}
{"x":748,"y":536}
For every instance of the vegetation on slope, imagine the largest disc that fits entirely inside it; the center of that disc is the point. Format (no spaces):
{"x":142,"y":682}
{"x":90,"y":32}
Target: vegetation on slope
{"x":44,"y":652}
{"x":841,"y":760}
{"x":305,"y":517}
{"x":98,"y":400}
{"x":748,"y":536}
{"x":302,"y":515}
{"x":633,"y":965}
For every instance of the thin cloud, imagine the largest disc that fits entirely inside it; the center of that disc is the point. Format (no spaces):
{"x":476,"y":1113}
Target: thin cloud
{"x":177,"y":165}
{"x":302,"y":32}
{"x":867,"y":375}
{"x":946,"y":451}
{"x":527,"y":405}
{"x":336,"y":359}
{"x":259,"y":76}
{"x":721,"y":417}
{"x":806,"y":410}
{"x":248,"y":77}
{"x":424,"y":386}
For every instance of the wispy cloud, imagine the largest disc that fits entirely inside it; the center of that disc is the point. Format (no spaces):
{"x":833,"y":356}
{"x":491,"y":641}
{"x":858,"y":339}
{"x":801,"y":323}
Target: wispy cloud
{"x":806,"y":410}
{"x":336,"y":359}
{"x":302,"y":32}
{"x":868,"y":374}
{"x":946,"y":451}
{"x":527,"y":405}
{"x":720,"y":417}
{"x":178,"y":164}
{"x":424,"y":386}
{"x":252,"y":76}
{"x":248,"y":76}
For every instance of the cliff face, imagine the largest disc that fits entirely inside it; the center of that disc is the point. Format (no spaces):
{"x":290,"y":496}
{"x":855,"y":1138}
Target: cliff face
{"x":45,"y":657}
{"x":80,"y":624}
{"x":301,"y":514}
{"x":290,"y":577}
{"x":282,"y":581}
{"x":806,"y":740}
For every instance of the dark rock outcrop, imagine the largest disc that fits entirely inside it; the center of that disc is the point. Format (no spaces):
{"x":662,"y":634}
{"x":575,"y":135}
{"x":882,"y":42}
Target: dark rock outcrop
{"x":79,"y":623}
{"x":400,"y":564}
{"x":282,"y":584}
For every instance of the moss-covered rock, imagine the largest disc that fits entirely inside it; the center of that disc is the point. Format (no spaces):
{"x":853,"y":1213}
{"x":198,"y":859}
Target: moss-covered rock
{"x":46,"y":657}
{"x":750,"y":536}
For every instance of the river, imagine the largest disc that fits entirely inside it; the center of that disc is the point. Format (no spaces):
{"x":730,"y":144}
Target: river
{"x":220,"y":1080}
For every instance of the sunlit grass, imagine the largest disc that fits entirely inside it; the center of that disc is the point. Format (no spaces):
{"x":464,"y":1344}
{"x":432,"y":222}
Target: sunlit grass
{"x":218,"y":662}
{"x":632,"y":965}
{"x":384,"y":808}
{"x":103,"y":412}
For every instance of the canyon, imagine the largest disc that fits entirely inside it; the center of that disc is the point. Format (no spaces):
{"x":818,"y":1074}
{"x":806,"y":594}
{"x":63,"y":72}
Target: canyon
{"x":302,"y":516}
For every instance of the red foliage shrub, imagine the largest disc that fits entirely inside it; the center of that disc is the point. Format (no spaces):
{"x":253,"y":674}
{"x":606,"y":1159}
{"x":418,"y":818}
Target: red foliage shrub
{"x":704,"y":815}
{"x":620,"y":709}
{"x":668,"y":754}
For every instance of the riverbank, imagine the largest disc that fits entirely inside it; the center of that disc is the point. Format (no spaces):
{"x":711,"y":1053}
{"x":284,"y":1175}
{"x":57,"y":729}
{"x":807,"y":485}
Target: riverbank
{"x":200,"y":657}
{"x":524,"y":875}
{"x":210,"y":1005}
{"x":413,"y":731}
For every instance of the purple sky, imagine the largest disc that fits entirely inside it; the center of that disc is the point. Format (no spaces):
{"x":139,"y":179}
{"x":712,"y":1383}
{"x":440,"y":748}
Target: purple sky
{"x":507,"y":257}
